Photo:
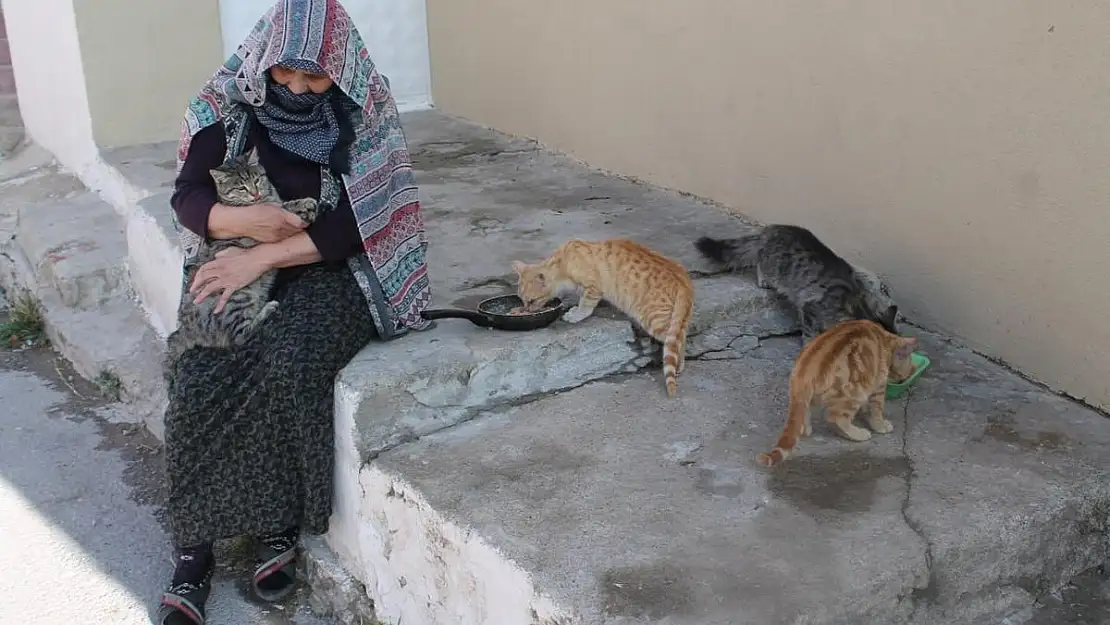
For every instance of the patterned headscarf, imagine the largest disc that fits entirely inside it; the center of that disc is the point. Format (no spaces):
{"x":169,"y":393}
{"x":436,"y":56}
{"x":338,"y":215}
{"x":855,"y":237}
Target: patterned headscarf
{"x":393,"y":272}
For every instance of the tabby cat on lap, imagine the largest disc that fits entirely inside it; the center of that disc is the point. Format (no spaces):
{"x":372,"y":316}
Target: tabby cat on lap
{"x":844,"y":368}
{"x":241,"y":182}
{"x":824,"y":288}
{"x":653,"y":290}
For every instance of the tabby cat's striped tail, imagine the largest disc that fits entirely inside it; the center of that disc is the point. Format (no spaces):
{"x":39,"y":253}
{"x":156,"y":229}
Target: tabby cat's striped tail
{"x":801,"y":395}
{"x":674,"y":346}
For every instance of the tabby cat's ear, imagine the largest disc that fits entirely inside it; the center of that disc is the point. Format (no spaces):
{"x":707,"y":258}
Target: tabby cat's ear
{"x":519,"y":267}
{"x":906,"y":346}
{"x":252,"y":157}
{"x":218,"y":175}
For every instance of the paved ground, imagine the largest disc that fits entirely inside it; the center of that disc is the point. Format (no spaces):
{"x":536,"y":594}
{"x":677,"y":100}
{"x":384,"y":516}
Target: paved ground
{"x":79,"y":508}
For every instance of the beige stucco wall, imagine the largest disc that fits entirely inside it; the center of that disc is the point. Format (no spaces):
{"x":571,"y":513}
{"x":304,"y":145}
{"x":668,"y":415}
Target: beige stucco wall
{"x":106,"y":73}
{"x":143,"y":60}
{"x":962,"y":149}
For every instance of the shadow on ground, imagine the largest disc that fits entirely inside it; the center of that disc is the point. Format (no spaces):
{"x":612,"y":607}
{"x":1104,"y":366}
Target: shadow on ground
{"x":82,"y":491}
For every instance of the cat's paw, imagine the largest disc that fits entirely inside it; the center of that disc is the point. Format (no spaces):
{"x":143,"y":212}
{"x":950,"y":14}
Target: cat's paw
{"x":576,"y":314}
{"x":267,"y":310}
{"x":855,"y":433}
{"x":883,"y":427}
{"x":305,"y":208}
{"x":643,"y":345}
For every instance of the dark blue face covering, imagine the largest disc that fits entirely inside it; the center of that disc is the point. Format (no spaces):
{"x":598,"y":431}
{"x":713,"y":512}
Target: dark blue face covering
{"x":314,"y":126}
{"x":302,"y":123}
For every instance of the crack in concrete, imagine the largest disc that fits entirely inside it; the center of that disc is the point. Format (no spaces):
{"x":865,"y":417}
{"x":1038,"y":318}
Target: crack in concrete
{"x":701,"y":356}
{"x":919,"y":596}
{"x":629,"y":367}
{"x":449,"y":159}
{"x":726,"y":348}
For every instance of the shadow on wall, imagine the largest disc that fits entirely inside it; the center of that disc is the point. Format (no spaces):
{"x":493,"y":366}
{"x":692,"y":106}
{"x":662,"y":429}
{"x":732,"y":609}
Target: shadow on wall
{"x":11,"y":121}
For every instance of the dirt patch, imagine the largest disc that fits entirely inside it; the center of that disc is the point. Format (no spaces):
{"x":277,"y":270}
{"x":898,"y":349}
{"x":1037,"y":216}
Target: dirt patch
{"x":447,"y":154}
{"x":1002,"y":429}
{"x":844,"y":482}
{"x":652,"y":591}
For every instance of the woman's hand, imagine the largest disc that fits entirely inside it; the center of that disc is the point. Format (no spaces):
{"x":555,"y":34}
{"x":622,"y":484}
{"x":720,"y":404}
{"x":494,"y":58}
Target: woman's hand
{"x":231,"y":270}
{"x":265,"y":223}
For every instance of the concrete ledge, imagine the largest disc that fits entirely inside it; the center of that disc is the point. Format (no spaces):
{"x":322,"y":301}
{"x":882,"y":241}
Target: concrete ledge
{"x":66,"y":247}
{"x":399,"y":391}
{"x":333,"y":592}
{"x":489,"y":198}
{"x":74,"y":244}
{"x":613,"y":505}
{"x":154,"y":261}
{"x":139,"y":182}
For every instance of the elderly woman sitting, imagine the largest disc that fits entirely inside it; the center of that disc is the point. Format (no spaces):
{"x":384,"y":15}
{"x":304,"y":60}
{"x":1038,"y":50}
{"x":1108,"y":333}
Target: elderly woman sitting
{"x":249,"y":442}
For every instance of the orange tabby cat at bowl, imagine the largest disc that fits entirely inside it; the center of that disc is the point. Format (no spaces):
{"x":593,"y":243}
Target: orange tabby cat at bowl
{"x":653,"y":290}
{"x":843,"y":368}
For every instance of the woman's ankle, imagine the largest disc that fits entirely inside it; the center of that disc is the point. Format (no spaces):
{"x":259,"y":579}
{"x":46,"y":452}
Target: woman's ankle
{"x":193,"y":564}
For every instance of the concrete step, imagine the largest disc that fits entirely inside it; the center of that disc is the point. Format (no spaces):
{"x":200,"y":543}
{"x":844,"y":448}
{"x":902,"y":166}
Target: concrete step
{"x":612,"y":504}
{"x":115,"y":347}
{"x":481,"y":214}
{"x":10,"y":116}
{"x":11,"y":139}
{"x":66,"y":248}
{"x":77,"y":246}
{"x":150,"y":166}
{"x":394,"y":392}
{"x":7,"y":80}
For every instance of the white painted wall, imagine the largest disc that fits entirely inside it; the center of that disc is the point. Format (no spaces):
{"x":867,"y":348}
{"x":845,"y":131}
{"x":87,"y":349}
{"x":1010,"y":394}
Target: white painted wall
{"x":395,"y":31}
{"x":50,"y":79}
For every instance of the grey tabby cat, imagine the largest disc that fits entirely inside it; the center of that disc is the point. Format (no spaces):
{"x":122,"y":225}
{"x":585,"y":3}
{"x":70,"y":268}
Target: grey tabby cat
{"x":242,"y":182}
{"x":824,"y":288}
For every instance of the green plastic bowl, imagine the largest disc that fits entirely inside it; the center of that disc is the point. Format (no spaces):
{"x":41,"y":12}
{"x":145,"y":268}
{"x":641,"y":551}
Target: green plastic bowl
{"x":894,"y":390}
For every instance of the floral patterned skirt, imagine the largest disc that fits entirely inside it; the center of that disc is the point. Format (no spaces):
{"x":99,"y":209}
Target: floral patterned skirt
{"x":249,"y":431}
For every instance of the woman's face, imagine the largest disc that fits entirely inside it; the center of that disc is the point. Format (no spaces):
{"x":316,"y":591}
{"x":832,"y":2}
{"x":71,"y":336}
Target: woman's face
{"x":299,"y":81}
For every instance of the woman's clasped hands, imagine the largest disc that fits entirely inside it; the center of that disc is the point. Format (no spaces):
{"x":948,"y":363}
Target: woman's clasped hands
{"x":235,"y":268}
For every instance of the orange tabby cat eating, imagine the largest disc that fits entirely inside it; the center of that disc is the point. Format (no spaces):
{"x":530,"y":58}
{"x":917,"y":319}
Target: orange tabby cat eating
{"x":843,"y":368}
{"x":653,"y":290}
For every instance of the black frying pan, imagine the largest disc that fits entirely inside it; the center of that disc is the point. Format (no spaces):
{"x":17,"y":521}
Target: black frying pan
{"x":494,"y":313}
